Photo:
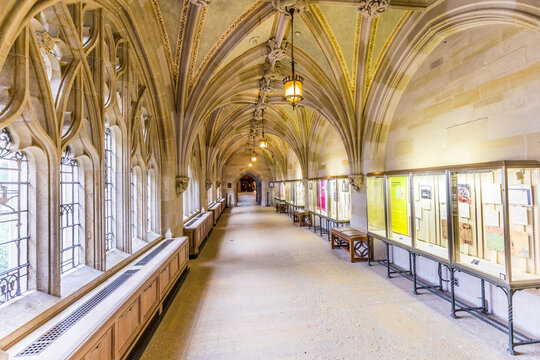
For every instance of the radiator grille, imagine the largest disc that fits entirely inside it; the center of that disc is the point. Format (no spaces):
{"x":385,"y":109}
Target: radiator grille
{"x":153,"y":254}
{"x":64,"y":325}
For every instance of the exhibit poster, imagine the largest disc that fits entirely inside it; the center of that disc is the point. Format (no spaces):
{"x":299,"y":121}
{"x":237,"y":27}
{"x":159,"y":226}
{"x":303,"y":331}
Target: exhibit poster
{"x":520,"y":243}
{"x":322,"y":195}
{"x":399,"y":205}
{"x":491,"y":194}
{"x":519,"y":195}
{"x":375,"y":202}
{"x":495,"y":238}
{"x":464,"y":193}
{"x":425,"y":192}
{"x":466,"y":233}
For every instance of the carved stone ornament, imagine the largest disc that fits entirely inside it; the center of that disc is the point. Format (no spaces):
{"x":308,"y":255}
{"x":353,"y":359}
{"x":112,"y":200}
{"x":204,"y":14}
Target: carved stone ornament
{"x":356,"y":181}
{"x":283,"y":6}
{"x":201,"y":2}
{"x":274,"y":73}
{"x":181,"y":184}
{"x":218,"y":184}
{"x":372,"y":8}
{"x":274,"y":52}
{"x":261,"y":105}
{"x":266,"y":87}
{"x":207,"y":184}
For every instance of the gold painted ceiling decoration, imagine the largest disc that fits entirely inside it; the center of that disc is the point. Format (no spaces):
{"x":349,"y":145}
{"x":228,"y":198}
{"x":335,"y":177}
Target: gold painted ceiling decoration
{"x":226,"y":59}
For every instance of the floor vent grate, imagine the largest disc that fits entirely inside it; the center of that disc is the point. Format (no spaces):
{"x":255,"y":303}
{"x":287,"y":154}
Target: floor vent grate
{"x":154,"y":252}
{"x":64,"y":325}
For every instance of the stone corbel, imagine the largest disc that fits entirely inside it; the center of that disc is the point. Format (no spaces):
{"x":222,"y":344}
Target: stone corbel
{"x":372,"y":8}
{"x":201,"y":2}
{"x":218,"y":184}
{"x":207,"y":184}
{"x":181,"y":183}
{"x":356,"y":181}
{"x":283,"y":6}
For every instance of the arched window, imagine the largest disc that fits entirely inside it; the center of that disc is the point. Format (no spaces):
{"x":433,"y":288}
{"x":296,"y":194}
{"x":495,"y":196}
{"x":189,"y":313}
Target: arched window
{"x":150,"y":201}
{"x":70,"y":217}
{"x":134,"y":213}
{"x":191,"y":195}
{"x":109,"y":190}
{"x":13,"y":221}
{"x":210,"y":194}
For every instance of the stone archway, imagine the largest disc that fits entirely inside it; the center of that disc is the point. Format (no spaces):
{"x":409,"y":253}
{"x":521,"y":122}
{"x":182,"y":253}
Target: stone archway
{"x":247,"y":184}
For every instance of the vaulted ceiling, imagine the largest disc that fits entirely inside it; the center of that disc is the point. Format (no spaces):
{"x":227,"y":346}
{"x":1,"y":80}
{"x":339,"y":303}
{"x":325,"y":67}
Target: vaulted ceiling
{"x":223,"y":65}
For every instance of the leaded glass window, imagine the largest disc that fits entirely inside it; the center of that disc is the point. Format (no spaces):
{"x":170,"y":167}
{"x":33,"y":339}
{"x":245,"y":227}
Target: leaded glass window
{"x":109,"y":190}
{"x":13,"y":221}
{"x":70,"y":224}
{"x":133,"y":204}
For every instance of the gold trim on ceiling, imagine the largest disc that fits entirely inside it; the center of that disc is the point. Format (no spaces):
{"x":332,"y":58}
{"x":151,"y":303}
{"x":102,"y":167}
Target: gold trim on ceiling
{"x":196,"y":43}
{"x":359,"y":18}
{"x":181,"y":28}
{"x":386,"y":46}
{"x":221,"y":40}
{"x":164,"y":36}
{"x":335,"y":45}
{"x":373,"y":35}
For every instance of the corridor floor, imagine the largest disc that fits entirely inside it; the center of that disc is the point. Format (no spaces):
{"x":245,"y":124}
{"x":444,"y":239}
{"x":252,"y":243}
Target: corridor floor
{"x":265,"y":289}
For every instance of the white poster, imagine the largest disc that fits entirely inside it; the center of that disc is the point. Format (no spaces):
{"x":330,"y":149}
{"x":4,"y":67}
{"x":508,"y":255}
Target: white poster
{"x":464,"y":210}
{"x":444,"y":215}
{"x":418,"y":211}
{"x":491,"y":194}
{"x":519,"y":195}
{"x":491,"y":218}
{"x":518,"y":215}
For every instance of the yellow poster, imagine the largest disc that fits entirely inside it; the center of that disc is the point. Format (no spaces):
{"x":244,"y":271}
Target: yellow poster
{"x":375,"y":202}
{"x":399,"y":204}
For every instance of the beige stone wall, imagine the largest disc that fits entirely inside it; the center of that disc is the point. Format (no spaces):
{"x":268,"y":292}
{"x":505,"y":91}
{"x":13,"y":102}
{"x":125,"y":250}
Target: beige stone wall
{"x":332,"y":156}
{"x":475,"y":98}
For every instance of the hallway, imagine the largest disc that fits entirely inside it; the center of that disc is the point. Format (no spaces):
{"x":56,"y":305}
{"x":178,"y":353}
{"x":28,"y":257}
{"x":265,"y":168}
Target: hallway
{"x":247,"y":199}
{"x":264,"y":289}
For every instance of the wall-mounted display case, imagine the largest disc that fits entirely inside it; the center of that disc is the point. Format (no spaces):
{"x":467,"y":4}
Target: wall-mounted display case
{"x":480,"y":218}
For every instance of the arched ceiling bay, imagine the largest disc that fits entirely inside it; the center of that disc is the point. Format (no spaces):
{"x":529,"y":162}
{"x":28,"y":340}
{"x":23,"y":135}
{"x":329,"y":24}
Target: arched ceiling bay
{"x":220,"y":56}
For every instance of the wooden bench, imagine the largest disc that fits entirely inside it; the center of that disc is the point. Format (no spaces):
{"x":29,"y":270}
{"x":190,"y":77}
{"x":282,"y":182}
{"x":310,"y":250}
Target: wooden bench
{"x":302,"y":217}
{"x":197,"y":230}
{"x":354,"y":241}
{"x":282,"y":208}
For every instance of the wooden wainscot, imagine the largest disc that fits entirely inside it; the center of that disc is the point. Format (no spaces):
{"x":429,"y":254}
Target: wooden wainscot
{"x":197,"y":230}
{"x":114,"y":314}
{"x":217,"y":209}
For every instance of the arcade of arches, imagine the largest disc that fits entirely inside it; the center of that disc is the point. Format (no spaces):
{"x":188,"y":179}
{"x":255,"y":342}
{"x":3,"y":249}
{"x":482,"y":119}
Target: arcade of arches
{"x":129,"y":130}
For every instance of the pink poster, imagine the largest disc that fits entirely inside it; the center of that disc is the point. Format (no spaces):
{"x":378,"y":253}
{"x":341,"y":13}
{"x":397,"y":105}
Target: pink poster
{"x":322,"y":195}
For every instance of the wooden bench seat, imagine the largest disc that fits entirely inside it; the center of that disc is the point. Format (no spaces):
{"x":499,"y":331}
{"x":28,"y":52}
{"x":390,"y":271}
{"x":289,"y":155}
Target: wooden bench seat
{"x":354,"y":241}
{"x":302,"y":217}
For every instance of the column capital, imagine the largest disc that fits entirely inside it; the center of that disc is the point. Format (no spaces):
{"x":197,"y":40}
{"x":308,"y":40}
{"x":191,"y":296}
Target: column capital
{"x":181,"y":183}
{"x":356,"y":181}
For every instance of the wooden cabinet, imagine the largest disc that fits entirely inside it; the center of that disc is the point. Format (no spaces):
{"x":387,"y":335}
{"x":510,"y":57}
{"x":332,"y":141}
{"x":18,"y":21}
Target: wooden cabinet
{"x":149,"y":297}
{"x":164,"y":278}
{"x":174,"y":266}
{"x":128,"y":322}
{"x":102,"y":349}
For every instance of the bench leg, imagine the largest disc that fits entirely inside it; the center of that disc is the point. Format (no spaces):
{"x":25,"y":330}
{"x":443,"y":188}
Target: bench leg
{"x":351,"y":250}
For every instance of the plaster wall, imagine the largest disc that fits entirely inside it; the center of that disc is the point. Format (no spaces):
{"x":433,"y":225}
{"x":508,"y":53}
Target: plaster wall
{"x":332,"y":157}
{"x":473,"y":99}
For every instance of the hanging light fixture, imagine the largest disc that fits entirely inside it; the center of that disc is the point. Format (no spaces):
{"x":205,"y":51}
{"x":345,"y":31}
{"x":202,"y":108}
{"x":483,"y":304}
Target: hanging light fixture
{"x":263,"y":143}
{"x":250,"y":164}
{"x":293,"y":83}
{"x":253,"y":157}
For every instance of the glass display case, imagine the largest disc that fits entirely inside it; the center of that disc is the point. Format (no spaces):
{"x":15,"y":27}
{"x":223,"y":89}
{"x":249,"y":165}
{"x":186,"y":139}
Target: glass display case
{"x":330,"y":197}
{"x":399,"y":215}
{"x":288,"y":191}
{"x":375,"y":205}
{"x":298,"y":191}
{"x":481,"y":218}
{"x":430,"y":214}
{"x":343,"y":199}
{"x":281,"y":193}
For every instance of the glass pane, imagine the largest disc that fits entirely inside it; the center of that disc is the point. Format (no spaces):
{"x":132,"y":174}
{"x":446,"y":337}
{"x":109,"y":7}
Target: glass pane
{"x":523,"y":219}
{"x":430,"y":217}
{"x":344,"y":199}
{"x":398,"y":209}
{"x":478,"y":221}
{"x":375,"y":205}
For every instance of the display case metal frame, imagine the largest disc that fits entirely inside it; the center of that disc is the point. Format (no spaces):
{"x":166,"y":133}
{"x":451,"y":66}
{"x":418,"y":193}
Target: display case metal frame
{"x":509,"y":287}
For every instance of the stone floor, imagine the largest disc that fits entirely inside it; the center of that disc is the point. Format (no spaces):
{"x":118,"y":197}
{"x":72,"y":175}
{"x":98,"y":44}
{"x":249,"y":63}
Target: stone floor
{"x":265,"y":289}
{"x":247,"y":199}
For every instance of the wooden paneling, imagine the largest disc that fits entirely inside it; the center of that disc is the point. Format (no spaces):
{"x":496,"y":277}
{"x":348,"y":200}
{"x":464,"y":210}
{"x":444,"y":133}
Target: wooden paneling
{"x":128,"y":322}
{"x":164,"y":278}
{"x":149,"y":297}
{"x":102,"y":349}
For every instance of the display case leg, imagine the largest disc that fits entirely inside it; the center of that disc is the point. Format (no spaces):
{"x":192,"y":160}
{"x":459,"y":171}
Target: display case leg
{"x":510,"y":294}
{"x":388,"y":261}
{"x":483,"y":291}
{"x":440,"y":277}
{"x":369,"y":241}
{"x":452,"y":293}
{"x":413,"y":269}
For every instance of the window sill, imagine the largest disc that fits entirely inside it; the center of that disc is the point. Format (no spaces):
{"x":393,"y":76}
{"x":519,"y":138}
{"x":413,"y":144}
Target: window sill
{"x":191,"y":216}
{"x":114,"y":257}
